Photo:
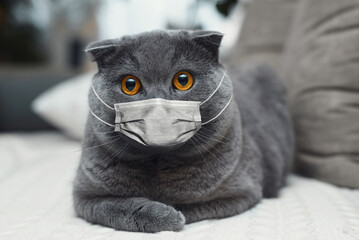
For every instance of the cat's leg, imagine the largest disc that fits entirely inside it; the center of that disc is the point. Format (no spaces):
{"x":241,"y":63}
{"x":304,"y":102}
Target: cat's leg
{"x":129,"y":214}
{"x":219,"y":208}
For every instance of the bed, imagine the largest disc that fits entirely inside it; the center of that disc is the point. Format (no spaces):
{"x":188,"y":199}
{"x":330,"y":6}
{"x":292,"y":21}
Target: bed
{"x":35,"y":184}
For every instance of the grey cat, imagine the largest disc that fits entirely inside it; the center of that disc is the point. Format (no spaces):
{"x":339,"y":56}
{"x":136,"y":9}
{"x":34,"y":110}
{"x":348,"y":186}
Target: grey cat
{"x":222,"y":170}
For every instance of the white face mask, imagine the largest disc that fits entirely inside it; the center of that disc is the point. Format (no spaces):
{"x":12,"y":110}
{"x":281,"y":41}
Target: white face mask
{"x":159,"y":122}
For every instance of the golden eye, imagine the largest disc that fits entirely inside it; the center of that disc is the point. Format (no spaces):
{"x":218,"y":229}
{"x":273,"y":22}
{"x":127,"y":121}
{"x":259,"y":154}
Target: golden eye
{"x":130,"y":85}
{"x":183,"y":80}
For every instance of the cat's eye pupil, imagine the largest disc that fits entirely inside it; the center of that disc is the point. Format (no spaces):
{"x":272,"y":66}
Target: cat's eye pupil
{"x":130,"y":84}
{"x":183,"y":79}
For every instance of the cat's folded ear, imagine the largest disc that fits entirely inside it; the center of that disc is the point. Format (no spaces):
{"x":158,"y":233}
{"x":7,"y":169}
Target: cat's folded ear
{"x":100,"y":49}
{"x":211,"y":40}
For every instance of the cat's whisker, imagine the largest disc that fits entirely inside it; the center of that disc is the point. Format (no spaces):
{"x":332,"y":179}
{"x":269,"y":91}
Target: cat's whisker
{"x":197,"y":149}
{"x":122,"y":151}
{"x":113,"y":155}
{"x":107,"y":151}
{"x":116,"y":155}
{"x":210,"y":146}
{"x":110,"y":137}
{"x":209,"y":137}
{"x":198,"y":140}
{"x":209,"y":140}
{"x":109,"y":132}
{"x":117,"y":135}
{"x":218,"y":137}
{"x":205,"y":148}
{"x":214,"y":132}
{"x":104,"y":144}
{"x":81,"y":149}
{"x":109,"y":156}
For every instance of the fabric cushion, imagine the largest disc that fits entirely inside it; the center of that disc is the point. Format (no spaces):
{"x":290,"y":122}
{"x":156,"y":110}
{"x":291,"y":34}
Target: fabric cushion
{"x":314,"y":47}
{"x":65,"y":105}
{"x":37,"y":171}
{"x":264,"y":32}
{"x":321,"y":69}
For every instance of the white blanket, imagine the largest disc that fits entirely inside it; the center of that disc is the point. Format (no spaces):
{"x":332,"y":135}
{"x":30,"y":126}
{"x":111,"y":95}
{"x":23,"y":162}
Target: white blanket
{"x":36,"y":171}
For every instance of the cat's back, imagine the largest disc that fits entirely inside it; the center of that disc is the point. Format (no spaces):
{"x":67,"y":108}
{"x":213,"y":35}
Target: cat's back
{"x":263,"y":105}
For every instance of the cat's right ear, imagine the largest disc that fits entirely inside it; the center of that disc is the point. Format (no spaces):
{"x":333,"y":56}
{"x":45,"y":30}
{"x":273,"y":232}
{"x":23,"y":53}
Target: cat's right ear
{"x":211,"y":40}
{"x":100,"y":49}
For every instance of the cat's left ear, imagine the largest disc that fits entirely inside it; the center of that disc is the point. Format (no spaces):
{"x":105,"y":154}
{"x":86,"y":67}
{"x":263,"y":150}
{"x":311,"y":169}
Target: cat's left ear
{"x":211,"y":40}
{"x":98,"y":50}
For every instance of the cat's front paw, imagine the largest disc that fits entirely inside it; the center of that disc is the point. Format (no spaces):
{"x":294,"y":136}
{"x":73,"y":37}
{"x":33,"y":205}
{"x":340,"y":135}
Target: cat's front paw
{"x":156,"y":217}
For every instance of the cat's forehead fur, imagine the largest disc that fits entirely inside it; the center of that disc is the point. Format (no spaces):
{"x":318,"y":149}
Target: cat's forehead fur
{"x":159,"y":53}
{"x":157,"y":50}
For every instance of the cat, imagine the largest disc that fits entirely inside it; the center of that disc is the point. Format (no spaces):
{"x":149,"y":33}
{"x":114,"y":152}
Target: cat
{"x":223,"y":169}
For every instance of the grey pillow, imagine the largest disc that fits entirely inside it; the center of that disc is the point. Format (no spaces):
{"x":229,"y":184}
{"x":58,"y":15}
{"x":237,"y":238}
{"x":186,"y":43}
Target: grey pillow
{"x":321,"y":69}
{"x":264,"y":32}
{"x":314,"y":46}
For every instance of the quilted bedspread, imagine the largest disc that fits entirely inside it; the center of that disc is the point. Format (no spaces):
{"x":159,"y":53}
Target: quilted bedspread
{"x":36,"y":172}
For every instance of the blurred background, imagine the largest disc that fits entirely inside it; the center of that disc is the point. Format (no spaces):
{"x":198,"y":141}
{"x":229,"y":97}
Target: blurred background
{"x":311,"y":44}
{"x":42,"y":41}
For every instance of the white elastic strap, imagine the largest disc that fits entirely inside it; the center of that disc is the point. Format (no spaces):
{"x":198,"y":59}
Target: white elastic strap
{"x":108,"y":124}
{"x":99,"y":47}
{"x":220,"y":111}
{"x":94,"y":91}
{"x":224,"y":74}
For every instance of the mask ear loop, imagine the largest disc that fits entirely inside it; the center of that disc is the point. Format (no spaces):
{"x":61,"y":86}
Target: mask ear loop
{"x":230,"y":99}
{"x":97,"y":117}
{"x":219,"y":85}
{"x":108,"y":124}
{"x":94,"y":91}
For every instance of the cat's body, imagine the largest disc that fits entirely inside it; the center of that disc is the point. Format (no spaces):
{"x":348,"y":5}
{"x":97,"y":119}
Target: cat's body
{"x":223,"y":170}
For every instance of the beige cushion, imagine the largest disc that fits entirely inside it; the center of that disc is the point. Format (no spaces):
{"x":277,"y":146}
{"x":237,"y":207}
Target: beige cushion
{"x":314,"y":46}
{"x":264,"y":32}
{"x":321,"y":69}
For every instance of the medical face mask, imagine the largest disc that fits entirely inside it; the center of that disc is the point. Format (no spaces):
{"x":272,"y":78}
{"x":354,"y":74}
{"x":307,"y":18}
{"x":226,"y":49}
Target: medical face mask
{"x":159,"y":122}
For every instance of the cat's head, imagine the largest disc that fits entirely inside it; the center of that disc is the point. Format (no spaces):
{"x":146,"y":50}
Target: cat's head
{"x":153,"y":61}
